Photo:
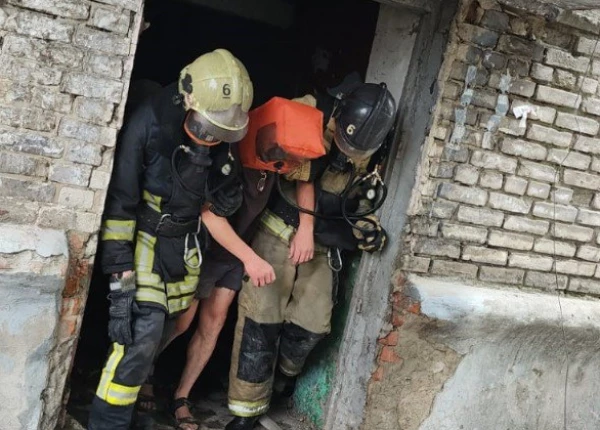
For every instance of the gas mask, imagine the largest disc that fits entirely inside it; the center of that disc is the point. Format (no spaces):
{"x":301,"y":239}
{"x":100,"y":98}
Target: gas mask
{"x":197,"y":132}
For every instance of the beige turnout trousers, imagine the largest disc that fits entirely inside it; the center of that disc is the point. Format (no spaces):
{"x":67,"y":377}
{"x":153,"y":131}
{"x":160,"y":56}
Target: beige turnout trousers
{"x":278,"y":324}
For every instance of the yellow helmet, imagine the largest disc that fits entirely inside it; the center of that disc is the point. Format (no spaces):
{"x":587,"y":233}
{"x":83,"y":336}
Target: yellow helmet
{"x":217,"y":90}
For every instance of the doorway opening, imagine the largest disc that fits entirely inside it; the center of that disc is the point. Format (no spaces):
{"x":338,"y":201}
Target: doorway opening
{"x":288,"y":47}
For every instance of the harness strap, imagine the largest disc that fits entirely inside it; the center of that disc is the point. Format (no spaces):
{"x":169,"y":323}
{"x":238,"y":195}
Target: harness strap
{"x":164,"y":224}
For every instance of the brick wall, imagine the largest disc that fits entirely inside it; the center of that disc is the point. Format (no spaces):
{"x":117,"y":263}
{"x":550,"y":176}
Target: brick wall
{"x":502,"y":200}
{"x":64,"y":74}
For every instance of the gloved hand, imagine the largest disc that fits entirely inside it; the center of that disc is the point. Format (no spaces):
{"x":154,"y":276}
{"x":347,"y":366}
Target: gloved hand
{"x":121,"y":310}
{"x":374,"y":239}
{"x":373,"y":242}
{"x":226,"y":200}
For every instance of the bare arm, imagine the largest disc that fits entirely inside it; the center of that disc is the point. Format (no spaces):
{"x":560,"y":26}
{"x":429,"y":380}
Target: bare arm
{"x":260,"y":272}
{"x":302,"y":246}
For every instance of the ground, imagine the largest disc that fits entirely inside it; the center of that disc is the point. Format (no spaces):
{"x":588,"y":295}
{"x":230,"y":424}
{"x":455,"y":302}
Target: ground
{"x":212,"y":410}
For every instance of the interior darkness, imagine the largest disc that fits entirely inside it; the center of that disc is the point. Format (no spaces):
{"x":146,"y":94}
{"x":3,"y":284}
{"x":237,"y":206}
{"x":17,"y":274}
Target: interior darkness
{"x":280,"y":64}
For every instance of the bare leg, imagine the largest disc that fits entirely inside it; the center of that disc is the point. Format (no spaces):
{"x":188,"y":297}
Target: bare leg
{"x":211,"y":318}
{"x":182,"y":323}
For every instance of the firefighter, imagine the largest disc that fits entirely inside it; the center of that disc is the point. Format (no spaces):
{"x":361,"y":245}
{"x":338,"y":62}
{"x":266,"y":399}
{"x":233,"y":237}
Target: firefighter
{"x":280,"y":324}
{"x":223,"y":269}
{"x":161,"y":184}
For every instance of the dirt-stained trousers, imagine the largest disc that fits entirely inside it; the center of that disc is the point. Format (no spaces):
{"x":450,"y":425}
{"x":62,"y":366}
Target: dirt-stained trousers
{"x":126,"y":370}
{"x":278,"y":324}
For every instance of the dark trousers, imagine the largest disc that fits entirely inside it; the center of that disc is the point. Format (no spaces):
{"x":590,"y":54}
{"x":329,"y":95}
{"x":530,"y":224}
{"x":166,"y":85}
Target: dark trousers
{"x":125,"y":371}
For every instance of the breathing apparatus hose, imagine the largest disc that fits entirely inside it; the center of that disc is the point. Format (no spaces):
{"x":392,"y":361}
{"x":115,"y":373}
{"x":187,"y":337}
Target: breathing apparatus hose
{"x":176,"y":174}
{"x":230,"y":177}
{"x":351,"y":218}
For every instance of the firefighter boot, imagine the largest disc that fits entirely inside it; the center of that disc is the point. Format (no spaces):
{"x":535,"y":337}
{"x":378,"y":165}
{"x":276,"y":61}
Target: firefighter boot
{"x":241,"y":423}
{"x":283,"y":385}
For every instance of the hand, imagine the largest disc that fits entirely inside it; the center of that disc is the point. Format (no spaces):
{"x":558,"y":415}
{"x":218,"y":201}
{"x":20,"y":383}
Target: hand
{"x":302,"y":246}
{"x":121,"y":309}
{"x":260,"y":272}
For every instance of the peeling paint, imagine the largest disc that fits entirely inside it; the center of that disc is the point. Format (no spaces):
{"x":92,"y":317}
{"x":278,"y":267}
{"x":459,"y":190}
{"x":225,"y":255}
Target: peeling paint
{"x":460,"y":114}
{"x":505,"y":83}
{"x":522,"y":112}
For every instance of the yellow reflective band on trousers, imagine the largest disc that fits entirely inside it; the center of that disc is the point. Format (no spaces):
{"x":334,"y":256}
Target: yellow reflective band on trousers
{"x":153,"y":201}
{"x":174,"y":296}
{"x":248,"y":409}
{"x":150,"y":287}
{"x":181,"y":294}
{"x":276,"y":226}
{"x":115,"y":229}
{"x":108,"y":390}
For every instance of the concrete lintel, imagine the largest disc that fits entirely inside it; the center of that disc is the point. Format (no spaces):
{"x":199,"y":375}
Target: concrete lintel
{"x":29,"y":315}
{"x":485,"y":312}
{"x":523,"y":365}
{"x":45,"y":242}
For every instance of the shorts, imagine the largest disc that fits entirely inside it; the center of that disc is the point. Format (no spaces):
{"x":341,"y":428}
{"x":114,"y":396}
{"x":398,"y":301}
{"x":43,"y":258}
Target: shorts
{"x":219,"y":274}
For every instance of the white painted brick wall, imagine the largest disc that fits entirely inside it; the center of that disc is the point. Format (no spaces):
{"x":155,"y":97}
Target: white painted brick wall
{"x":517,"y":198}
{"x":65,"y":67}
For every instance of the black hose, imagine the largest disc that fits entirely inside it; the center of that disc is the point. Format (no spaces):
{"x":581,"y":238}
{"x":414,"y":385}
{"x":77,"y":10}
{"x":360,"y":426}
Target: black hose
{"x":351,"y":218}
{"x":363,"y":216}
{"x":233,"y":175}
{"x":178,"y":177}
{"x":299,"y":208}
{"x":206,"y":195}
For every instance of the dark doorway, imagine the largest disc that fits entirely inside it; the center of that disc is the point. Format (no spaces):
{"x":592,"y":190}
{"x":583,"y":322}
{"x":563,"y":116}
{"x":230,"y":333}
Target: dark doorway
{"x":305,"y":44}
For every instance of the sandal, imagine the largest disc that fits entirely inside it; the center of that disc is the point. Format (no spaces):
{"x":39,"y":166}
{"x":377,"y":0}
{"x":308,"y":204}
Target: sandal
{"x":179,"y":403}
{"x":146,"y":402}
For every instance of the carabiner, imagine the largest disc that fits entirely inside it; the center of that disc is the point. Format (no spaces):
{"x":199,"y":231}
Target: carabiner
{"x":187,"y":257}
{"x":335,"y":261}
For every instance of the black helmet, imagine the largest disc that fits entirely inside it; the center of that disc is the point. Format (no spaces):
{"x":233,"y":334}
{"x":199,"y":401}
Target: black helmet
{"x":363,"y":119}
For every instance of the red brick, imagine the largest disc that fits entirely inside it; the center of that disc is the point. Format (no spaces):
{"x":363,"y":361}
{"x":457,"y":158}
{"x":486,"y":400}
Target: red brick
{"x":77,"y":243}
{"x":76,"y":307}
{"x":398,"y":301}
{"x":397,"y":320}
{"x":68,"y":328}
{"x":391,"y":339}
{"x":388,"y":355}
{"x":378,"y":374}
{"x":397,"y":298}
{"x":398,"y":279}
{"x":71,"y":306}
{"x":78,"y":277}
{"x":415,"y":308}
